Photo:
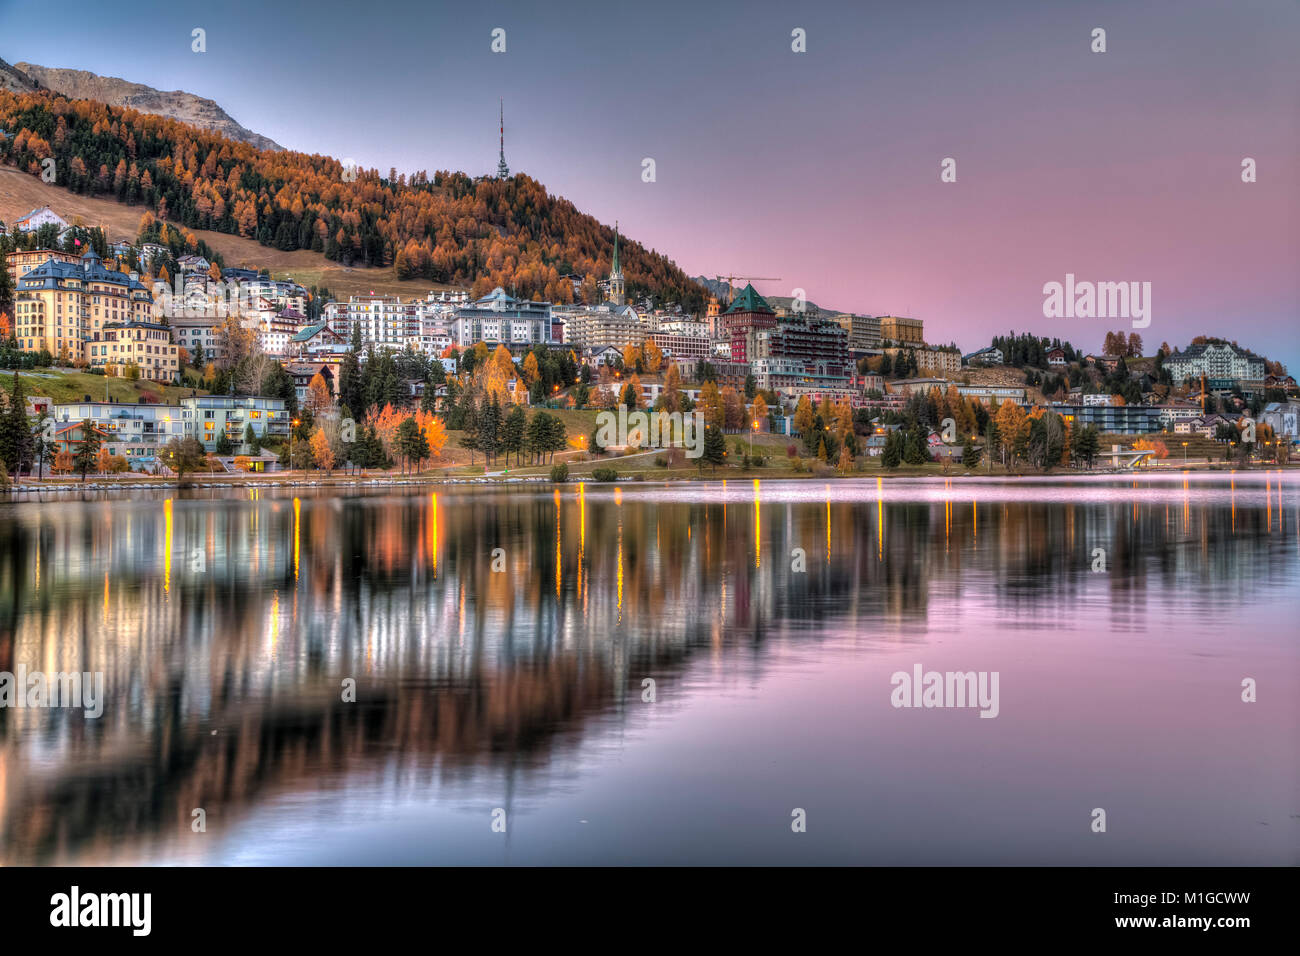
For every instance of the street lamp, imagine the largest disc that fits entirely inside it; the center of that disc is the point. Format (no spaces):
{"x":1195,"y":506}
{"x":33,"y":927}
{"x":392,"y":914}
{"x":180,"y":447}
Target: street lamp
{"x":1184,"y":453}
{"x":751,"y":438}
{"x":293,"y":425}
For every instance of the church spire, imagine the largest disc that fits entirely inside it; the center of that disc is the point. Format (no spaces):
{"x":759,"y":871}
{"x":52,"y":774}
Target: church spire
{"x":503,"y":171}
{"x":616,"y":294}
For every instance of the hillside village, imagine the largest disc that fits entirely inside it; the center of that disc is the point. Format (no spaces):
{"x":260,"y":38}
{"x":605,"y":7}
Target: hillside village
{"x":260,"y":373}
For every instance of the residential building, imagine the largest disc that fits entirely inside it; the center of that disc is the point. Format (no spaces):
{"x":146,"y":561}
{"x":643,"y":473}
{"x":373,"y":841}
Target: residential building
{"x":304,"y":372}
{"x":151,"y":252}
{"x":381,"y":320}
{"x":989,"y":355}
{"x":205,"y":417}
{"x":604,"y":325}
{"x":135,"y":431}
{"x":40,"y":217}
{"x":318,"y":336}
{"x":941,"y":361}
{"x":683,"y":348}
{"x":193,"y":264}
{"x":863,"y":330}
{"x":902,"y":331}
{"x":70,"y":437}
{"x":912,"y":386}
{"x":277,"y":331}
{"x":1171,"y":415}
{"x":992,"y":394}
{"x":146,"y":345}
{"x":195,"y":332}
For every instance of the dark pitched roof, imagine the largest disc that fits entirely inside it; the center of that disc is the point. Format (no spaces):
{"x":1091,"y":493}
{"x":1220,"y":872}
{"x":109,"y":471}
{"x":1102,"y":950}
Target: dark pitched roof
{"x":90,"y":268}
{"x":302,"y":335}
{"x":749,"y":301}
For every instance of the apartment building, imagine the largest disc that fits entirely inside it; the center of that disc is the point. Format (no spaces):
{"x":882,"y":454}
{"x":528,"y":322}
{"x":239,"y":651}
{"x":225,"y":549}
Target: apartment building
{"x":199,"y":332}
{"x":901,"y":330}
{"x":134,"y":431}
{"x":598,"y":328}
{"x":863,"y":330}
{"x":938,"y":361}
{"x":205,"y":417}
{"x":277,"y":331}
{"x":147,"y":345}
{"x":680,"y":347}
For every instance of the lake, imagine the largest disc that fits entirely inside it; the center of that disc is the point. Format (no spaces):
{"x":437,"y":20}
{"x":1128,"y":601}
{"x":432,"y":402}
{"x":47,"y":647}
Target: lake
{"x":659,"y":673}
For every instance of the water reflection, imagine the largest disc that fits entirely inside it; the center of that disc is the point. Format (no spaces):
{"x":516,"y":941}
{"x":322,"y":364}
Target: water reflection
{"x":499,"y":640}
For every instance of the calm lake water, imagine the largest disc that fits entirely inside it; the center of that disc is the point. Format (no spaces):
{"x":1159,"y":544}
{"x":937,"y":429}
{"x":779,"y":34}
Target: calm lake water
{"x":770,"y":617}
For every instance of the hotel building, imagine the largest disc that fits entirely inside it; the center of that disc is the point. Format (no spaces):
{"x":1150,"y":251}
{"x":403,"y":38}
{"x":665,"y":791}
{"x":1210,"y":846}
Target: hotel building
{"x":60,"y":306}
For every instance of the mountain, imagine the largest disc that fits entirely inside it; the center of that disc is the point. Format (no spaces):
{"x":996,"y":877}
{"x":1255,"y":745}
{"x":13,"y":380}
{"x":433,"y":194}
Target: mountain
{"x":12,"y":78}
{"x":177,"y":105}
{"x":722,"y":290}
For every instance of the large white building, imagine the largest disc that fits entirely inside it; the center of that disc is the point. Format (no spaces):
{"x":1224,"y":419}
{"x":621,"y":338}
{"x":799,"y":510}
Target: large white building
{"x":381,"y":319}
{"x":498,"y":318}
{"x":1215,"y":361}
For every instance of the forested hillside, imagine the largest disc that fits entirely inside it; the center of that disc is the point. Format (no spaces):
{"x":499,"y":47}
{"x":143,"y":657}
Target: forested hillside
{"x":446,"y":228}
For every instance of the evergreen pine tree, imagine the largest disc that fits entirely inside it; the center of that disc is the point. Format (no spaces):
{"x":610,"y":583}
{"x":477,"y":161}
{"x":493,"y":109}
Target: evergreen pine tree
{"x":83,"y":462}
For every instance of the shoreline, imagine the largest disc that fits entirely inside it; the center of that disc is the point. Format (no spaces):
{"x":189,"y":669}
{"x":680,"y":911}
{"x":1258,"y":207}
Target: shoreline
{"x":371,"y":481}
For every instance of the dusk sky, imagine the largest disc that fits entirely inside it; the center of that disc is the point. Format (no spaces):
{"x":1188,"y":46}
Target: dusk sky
{"x":822,"y":167}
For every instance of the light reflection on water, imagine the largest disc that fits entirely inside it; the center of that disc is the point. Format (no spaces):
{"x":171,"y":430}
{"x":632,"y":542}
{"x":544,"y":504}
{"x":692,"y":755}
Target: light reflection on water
{"x":226,"y":621}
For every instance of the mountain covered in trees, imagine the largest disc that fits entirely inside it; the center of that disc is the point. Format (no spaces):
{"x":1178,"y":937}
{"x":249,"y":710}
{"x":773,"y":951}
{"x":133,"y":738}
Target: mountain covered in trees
{"x":447,"y":228}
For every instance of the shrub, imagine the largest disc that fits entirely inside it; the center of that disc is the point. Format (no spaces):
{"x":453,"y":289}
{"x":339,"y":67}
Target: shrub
{"x":560,"y":473}
{"x":605,"y":474}
{"x":661,"y":461}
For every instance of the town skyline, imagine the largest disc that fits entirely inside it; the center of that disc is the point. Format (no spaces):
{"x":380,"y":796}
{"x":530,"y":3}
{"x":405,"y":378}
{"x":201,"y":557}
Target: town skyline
{"x":787,"y":182}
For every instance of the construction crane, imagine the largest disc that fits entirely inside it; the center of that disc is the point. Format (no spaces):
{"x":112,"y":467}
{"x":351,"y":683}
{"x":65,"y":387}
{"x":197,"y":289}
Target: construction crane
{"x":731,"y":288}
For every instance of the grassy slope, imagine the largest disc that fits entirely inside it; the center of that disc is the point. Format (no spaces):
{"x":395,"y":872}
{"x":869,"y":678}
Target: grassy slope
{"x":75,"y":386}
{"x":20,"y":193}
